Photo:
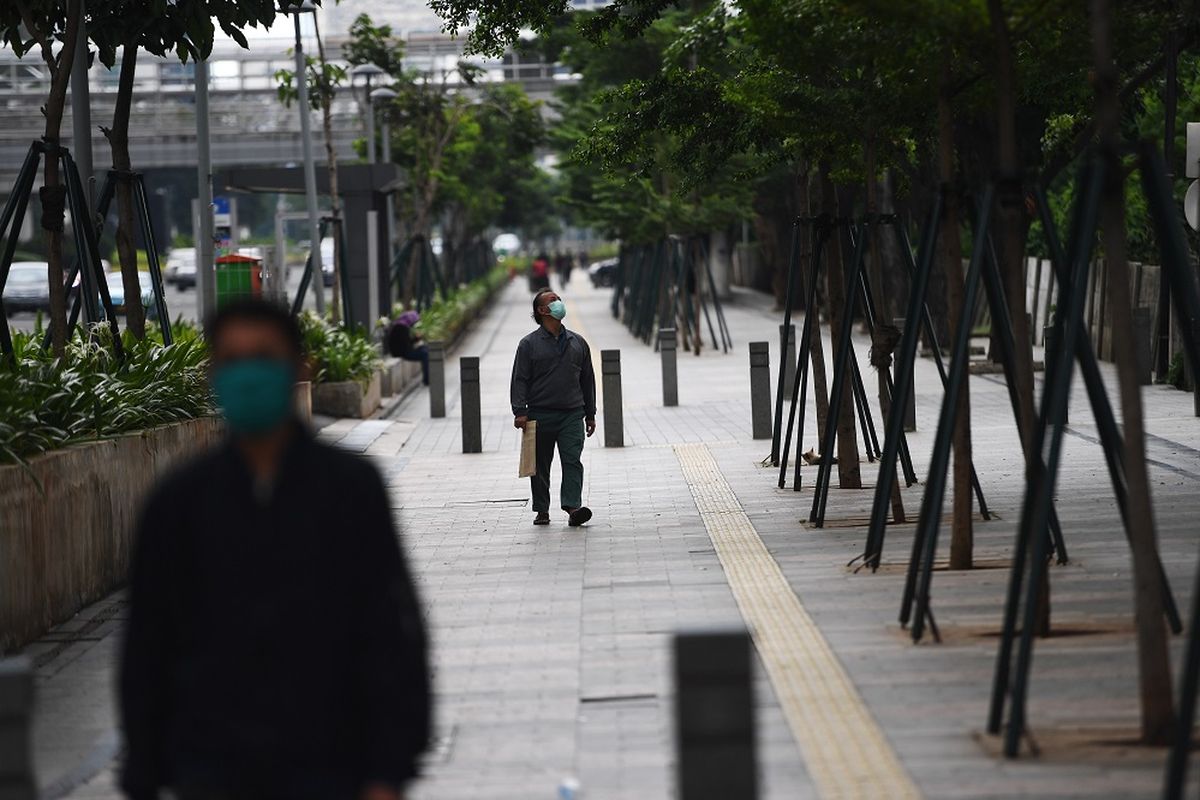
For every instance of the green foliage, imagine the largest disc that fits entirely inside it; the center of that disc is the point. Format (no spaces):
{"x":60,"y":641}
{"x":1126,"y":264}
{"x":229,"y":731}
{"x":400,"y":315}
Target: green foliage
{"x":496,"y":25}
{"x":469,"y":158}
{"x":442,"y":321}
{"x":323,"y":82}
{"x":47,"y":403}
{"x":374,"y":44}
{"x":1175,"y":373}
{"x":337,"y":354}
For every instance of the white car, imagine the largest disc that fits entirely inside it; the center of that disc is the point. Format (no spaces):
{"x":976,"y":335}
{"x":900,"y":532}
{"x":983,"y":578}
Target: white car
{"x":181,"y":267}
{"x":116,"y":291}
{"x":327,"y":261}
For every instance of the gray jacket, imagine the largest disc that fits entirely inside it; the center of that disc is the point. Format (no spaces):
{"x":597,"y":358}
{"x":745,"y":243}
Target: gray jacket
{"x":553,"y":374}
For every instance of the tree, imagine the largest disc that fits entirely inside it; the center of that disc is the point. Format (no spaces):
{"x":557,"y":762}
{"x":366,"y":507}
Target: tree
{"x":1154,"y":664}
{"x":186,"y":28}
{"x":23,"y":25}
{"x":324,"y":79}
{"x":492,"y":155}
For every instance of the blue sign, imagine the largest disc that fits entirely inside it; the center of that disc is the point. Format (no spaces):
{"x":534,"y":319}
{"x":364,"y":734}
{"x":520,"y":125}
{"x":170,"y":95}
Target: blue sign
{"x":220,"y":205}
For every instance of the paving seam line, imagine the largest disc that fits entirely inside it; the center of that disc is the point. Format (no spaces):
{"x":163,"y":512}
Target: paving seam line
{"x":844,"y":749}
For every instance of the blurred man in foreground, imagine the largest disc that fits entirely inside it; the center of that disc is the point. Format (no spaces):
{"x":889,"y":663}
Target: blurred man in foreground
{"x":275,"y":646}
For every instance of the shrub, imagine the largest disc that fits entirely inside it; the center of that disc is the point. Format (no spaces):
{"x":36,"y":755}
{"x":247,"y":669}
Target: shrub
{"x":46,"y":403}
{"x":337,"y":354}
{"x":442,"y":320}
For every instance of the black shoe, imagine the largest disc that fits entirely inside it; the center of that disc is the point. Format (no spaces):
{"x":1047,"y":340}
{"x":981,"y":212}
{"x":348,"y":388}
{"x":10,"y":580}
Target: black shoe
{"x":542,"y":518}
{"x":578,"y":516}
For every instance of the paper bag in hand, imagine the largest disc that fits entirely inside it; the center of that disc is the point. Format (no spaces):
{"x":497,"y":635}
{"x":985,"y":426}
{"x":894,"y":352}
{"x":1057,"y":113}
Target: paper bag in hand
{"x":528,"y":466}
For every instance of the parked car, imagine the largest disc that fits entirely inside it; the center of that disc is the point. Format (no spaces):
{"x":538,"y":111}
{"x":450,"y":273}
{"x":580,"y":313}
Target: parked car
{"x":116,"y":291}
{"x":181,"y":267}
{"x":603,"y":273}
{"x":327,"y":261}
{"x":27,"y":288}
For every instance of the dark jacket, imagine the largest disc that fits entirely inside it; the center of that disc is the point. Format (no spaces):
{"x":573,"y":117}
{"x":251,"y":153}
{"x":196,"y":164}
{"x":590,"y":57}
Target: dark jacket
{"x":275,"y":645}
{"x":399,"y":339}
{"x":551,"y":374}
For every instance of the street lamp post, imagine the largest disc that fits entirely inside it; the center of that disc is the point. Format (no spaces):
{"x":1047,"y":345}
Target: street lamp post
{"x":385,"y":95}
{"x":205,"y":279}
{"x":310,"y":168}
{"x":369,"y":72}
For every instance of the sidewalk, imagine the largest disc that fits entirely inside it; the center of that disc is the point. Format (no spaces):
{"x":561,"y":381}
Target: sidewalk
{"x":552,"y":646}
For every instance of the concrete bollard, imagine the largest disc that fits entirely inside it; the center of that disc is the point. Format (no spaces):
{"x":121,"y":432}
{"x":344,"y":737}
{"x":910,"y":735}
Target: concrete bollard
{"x":1141,"y":345}
{"x":472,"y":429}
{"x":910,"y":408}
{"x":670,"y":368}
{"x":302,"y":395}
{"x":16,"y":711}
{"x":788,"y":341}
{"x":760,"y":389}
{"x":437,"y":380}
{"x":1195,"y":382}
{"x":614,"y":419}
{"x":714,"y":716}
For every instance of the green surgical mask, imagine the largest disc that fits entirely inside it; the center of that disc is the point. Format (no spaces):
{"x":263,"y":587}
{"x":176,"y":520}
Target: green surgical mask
{"x":254,"y":394}
{"x":557,"y":309}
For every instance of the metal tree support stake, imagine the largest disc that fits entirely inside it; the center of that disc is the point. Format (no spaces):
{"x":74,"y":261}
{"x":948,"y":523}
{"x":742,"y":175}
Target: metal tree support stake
{"x":93,"y":282}
{"x":821,"y":229}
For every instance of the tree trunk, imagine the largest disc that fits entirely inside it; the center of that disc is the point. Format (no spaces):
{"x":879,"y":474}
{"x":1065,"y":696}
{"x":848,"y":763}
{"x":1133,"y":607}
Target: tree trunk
{"x":961,"y":534}
{"x":879,"y":300}
{"x":335,"y":203}
{"x":1154,"y":669}
{"x":53,"y":193}
{"x":849,"y":474}
{"x":1013,"y":223}
{"x":118,"y":142}
{"x":765,"y":231}
{"x":812,"y":316}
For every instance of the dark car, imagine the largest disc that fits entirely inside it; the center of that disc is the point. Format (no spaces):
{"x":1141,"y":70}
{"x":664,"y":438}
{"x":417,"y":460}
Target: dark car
{"x":27,"y":287}
{"x":603,"y":273}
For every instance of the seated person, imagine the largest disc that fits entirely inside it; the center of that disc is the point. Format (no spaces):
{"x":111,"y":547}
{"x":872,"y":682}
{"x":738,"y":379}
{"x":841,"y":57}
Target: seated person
{"x":403,"y":342}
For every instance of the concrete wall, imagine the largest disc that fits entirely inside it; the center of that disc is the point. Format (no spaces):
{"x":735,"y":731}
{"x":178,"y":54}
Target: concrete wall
{"x":69,"y":543}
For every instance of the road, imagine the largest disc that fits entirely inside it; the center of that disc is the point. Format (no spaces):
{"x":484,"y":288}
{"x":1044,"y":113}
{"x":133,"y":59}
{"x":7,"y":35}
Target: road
{"x":180,"y":302}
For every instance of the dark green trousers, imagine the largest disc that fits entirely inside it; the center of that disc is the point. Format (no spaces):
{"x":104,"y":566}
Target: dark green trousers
{"x":563,"y":429}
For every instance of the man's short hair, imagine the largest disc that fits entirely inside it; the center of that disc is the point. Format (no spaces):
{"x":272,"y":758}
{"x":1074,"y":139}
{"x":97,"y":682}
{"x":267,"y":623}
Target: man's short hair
{"x":537,"y":317}
{"x":258,"y":310}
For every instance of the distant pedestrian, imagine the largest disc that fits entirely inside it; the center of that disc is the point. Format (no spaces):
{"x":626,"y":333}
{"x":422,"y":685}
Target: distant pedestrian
{"x":562,"y":265}
{"x":404,"y":342}
{"x":554,"y":384}
{"x":275,"y":646}
{"x":539,"y":273}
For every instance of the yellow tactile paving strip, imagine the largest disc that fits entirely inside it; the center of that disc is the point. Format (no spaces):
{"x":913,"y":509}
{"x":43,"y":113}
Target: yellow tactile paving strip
{"x":845,"y":752}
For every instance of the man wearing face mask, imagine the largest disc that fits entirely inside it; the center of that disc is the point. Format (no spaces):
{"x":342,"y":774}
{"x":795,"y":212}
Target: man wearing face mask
{"x":275,"y":645}
{"x":553,"y":383}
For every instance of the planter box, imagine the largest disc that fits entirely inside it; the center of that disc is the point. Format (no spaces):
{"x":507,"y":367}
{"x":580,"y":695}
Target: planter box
{"x":396,"y":375}
{"x":346,"y":398}
{"x":68,"y":545}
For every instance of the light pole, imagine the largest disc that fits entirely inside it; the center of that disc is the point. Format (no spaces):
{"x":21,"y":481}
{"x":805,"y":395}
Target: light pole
{"x":206,"y":290}
{"x":310,"y":168}
{"x":385,"y":95}
{"x":370,"y":72}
